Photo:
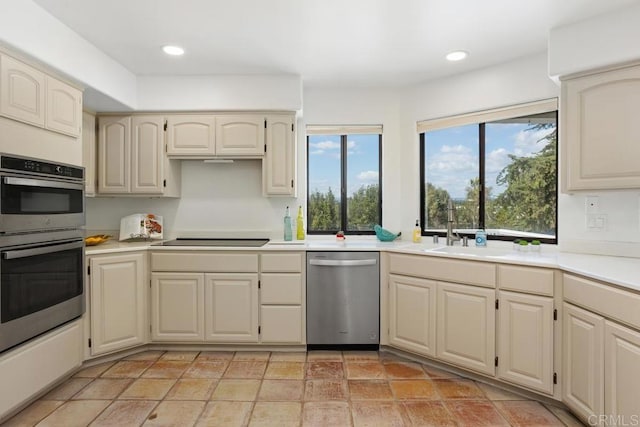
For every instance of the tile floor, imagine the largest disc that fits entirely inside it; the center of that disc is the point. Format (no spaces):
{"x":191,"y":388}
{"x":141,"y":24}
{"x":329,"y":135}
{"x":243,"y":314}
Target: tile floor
{"x":318,"y":388}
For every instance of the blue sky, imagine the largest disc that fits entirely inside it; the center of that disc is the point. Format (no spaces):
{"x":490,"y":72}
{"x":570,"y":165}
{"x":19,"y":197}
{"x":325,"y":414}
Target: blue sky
{"x":451,"y":155}
{"x":324,"y":162}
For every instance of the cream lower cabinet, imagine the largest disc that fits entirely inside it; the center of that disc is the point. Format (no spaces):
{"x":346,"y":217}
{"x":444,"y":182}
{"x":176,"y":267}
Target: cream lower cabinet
{"x":412,"y":314}
{"x":231,"y":307}
{"x":622,"y":373}
{"x":525,"y":340}
{"x":117,"y":294}
{"x":177,"y":307}
{"x":583,"y":361}
{"x":466,"y":326}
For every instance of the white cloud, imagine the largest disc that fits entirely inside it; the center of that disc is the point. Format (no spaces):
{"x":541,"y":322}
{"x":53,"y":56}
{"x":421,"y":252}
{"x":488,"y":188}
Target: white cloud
{"x":316,"y":152}
{"x":496,"y":160}
{"x":530,"y":142}
{"x":451,"y":159}
{"x":325,"y":145}
{"x":368,"y":176}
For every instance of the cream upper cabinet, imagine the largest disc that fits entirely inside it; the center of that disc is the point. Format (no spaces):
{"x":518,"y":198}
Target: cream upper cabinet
{"x":22,"y":91}
{"x":114,"y":155}
{"x":240,"y":135}
{"x":525,"y":340}
{"x":64,"y":107}
{"x":147,"y":154}
{"x":466,"y":326}
{"x":191,"y":135}
{"x":583,"y":361}
{"x":599,"y":130}
{"x":89,"y":143}
{"x":231,"y":307}
{"x":412,"y":314}
{"x":621,"y":372}
{"x":177,"y":307}
{"x":117,"y":290}
{"x":279,"y":163}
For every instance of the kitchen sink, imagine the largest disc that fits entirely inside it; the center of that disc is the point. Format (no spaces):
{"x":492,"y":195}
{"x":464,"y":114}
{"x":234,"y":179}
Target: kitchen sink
{"x":472,"y":251}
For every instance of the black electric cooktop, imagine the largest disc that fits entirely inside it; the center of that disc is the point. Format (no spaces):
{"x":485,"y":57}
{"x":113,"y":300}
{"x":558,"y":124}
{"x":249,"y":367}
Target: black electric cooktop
{"x":252,"y":243}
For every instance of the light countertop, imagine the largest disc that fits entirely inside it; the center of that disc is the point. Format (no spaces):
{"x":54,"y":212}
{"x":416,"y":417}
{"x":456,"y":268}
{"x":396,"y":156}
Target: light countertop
{"x":621,"y":271}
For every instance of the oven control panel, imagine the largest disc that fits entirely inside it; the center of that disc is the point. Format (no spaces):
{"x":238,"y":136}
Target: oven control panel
{"x":21,"y":164}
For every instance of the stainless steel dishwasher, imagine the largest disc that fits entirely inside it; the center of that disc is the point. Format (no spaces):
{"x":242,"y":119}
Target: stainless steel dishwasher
{"x":343,"y":299}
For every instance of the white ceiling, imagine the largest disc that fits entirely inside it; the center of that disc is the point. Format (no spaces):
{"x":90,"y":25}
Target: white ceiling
{"x":327,"y":42}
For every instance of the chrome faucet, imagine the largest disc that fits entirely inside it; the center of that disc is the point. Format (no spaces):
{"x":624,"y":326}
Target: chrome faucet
{"x":451,"y":218}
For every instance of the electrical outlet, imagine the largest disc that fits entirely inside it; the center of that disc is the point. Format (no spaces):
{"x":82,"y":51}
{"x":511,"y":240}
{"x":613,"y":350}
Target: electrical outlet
{"x":596,"y":222}
{"x":592,"y":204}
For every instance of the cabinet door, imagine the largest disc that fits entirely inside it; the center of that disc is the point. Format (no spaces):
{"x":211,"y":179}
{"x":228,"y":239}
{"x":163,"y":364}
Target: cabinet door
{"x":22,"y":91}
{"x":466,"y":326}
{"x":525,"y":340}
{"x":147,"y":154}
{"x":118,"y":304}
{"x":281,"y":324}
{"x":177,"y":307}
{"x":114,"y":155}
{"x":622,"y":372}
{"x":192,"y":135}
{"x":279,"y":164}
{"x":231,"y":307}
{"x":600,"y":130}
{"x":412,"y":314}
{"x":241,"y":135}
{"x":583,"y":361}
{"x":64,"y":107}
{"x":89,"y":153}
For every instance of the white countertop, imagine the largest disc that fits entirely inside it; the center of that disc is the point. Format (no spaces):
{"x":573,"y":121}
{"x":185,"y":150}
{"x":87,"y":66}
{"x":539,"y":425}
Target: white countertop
{"x":624,"y":272}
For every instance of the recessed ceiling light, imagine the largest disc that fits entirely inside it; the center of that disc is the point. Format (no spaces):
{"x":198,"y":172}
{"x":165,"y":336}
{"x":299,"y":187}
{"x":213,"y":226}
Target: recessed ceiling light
{"x":173,"y":50}
{"x":457,"y":55}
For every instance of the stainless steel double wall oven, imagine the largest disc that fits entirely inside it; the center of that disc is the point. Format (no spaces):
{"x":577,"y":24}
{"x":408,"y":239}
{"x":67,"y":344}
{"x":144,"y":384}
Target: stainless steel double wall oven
{"x":41,"y":247}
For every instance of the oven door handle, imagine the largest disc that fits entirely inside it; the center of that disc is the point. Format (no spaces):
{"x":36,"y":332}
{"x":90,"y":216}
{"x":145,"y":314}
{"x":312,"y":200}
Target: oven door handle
{"x":23,"y":253}
{"x":9,"y":180}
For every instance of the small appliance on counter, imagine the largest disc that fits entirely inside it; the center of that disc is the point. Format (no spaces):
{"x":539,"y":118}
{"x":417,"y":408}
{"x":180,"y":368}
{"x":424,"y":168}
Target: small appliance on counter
{"x":141,"y":226}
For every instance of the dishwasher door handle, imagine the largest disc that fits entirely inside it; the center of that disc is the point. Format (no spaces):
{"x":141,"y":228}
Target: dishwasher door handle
{"x":343,"y":262}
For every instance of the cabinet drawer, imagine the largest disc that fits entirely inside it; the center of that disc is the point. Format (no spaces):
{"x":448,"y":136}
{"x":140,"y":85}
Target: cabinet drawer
{"x":281,"y":324}
{"x":284,"y":288}
{"x":204,"y":262}
{"x":607,"y":300}
{"x":449,"y":270}
{"x":283,"y":263}
{"x":525,"y":279}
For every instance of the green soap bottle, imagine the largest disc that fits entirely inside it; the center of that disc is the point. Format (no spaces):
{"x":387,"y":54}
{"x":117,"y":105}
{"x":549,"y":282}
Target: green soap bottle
{"x":300,"y":225}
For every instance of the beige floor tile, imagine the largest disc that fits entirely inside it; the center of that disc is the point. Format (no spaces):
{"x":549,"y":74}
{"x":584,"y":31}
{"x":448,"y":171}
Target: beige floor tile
{"x":33,"y":413}
{"x":369,"y":390}
{"x":435,"y":373}
{"x":225,"y":414}
{"x":214,"y":355}
{"x":191,"y":389}
{"x":324,"y":355}
{"x":565,"y":416}
{"x":322,"y":414}
{"x":93,"y":371}
{"x":75,"y":413}
{"x":404,"y":370}
{"x":166,"y":369}
{"x":495,"y":393}
{"x":238,"y":390}
{"x":324,"y":370}
{"x":256,"y":356}
{"x":152,"y":355}
{"x":414,"y":389}
{"x":365,"y":371}
{"x":326,"y":390}
{"x":284,"y":371}
{"x":274,"y":390}
{"x":67,"y":389}
{"x":459,"y":389}
{"x":175,"y":414}
{"x":245,"y":369}
{"x":127,"y":369}
{"x":148,"y":389}
{"x":276,"y":414}
{"x":125,"y":413}
{"x":376,"y":414}
{"x":521,"y":413}
{"x":360,"y":356}
{"x":206,"y":369}
{"x":103,"y":388}
{"x":181,"y":356}
{"x":428,"y":413}
{"x":475,"y":413}
{"x":286,"y":356}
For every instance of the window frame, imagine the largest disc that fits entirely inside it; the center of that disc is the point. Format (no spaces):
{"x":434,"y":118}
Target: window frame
{"x":485,"y":117}
{"x":343,"y":181}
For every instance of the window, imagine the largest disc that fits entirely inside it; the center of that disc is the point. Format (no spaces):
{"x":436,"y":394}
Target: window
{"x":499,"y":168}
{"x":344,"y":179}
